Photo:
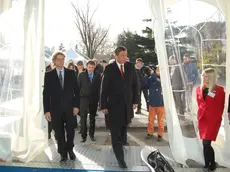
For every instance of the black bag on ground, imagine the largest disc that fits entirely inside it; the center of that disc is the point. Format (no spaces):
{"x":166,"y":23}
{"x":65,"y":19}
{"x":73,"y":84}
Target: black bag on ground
{"x":158,"y":162}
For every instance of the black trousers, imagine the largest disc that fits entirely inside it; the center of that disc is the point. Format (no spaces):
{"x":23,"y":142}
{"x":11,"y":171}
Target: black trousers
{"x":209,"y":155}
{"x":87,"y":106}
{"x":146,"y":96}
{"x":107,"y":121}
{"x":119,"y":138}
{"x":49,"y":127}
{"x":65,"y":142}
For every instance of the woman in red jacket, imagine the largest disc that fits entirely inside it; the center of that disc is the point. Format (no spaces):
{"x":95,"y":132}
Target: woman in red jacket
{"x":210,"y":99}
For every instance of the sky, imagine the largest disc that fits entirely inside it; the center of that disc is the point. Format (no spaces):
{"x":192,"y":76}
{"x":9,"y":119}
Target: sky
{"x":117,"y":15}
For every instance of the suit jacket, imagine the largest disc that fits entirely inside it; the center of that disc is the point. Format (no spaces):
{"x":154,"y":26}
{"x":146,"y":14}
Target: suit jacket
{"x":58,"y":100}
{"x":177,"y":75}
{"x":90,"y":89}
{"x":118,"y":95}
{"x":210,"y":111}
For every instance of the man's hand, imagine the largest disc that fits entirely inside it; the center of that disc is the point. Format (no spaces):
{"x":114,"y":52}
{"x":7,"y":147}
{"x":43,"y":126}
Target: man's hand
{"x":105,"y":111}
{"x":48,"y":116}
{"x":135,"y":106}
{"x":75,"y":111}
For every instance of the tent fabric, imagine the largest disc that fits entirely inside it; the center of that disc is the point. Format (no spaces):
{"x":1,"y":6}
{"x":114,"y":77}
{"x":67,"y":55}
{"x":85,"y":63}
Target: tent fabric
{"x":23,"y":77}
{"x":186,"y":148}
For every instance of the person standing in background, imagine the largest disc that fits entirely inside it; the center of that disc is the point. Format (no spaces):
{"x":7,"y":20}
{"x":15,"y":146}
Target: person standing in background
{"x":210,"y":100}
{"x":156,"y":105}
{"x":191,"y":72}
{"x":80,"y":67}
{"x":143,"y":74}
{"x":119,"y":96}
{"x":178,"y":86}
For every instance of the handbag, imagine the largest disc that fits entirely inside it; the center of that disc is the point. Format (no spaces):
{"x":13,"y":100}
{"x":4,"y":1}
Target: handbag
{"x":158,"y":162}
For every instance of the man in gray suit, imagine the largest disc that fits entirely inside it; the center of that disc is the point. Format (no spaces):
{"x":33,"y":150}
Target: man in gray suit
{"x":177,"y":76}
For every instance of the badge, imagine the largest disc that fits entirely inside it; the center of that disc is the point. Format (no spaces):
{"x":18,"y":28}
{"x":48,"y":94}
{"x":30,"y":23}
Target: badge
{"x":211,"y":94}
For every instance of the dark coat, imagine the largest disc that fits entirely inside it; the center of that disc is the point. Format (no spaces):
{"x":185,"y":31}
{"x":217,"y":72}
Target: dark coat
{"x":88,"y":89}
{"x":143,"y":75}
{"x":57,"y":100}
{"x":118,"y":95}
{"x":155,"y":91}
{"x":99,"y":68}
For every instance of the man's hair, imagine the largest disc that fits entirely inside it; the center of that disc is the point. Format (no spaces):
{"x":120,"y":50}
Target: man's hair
{"x":103,"y":61}
{"x":80,"y":63}
{"x":57,"y":54}
{"x":139,"y":60}
{"x":119,"y":49}
{"x":91,"y":62}
{"x":186,"y":55}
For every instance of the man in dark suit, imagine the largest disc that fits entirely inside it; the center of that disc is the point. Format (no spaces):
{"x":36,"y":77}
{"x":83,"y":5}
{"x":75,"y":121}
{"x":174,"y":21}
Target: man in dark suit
{"x":61,"y":103}
{"x":89,"y":84}
{"x":119,"y":96}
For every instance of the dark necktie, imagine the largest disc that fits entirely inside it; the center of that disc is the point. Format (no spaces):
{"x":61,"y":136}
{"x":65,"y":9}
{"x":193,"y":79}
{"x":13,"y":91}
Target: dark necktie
{"x":61,"y":79}
{"x":122,"y":71}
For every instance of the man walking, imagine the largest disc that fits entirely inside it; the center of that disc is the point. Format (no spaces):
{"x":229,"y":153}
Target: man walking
{"x":119,"y":96}
{"x":61,"y":104}
{"x":89,"y":83}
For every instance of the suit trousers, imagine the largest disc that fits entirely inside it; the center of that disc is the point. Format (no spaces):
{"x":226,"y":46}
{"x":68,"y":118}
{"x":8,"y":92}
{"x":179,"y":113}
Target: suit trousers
{"x":49,"y":127}
{"x":87,"y":107}
{"x":179,"y":98}
{"x":146,"y":96}
{"x":160,"y":113}
{"x":119,"y":138}
{"x":65,"y":143}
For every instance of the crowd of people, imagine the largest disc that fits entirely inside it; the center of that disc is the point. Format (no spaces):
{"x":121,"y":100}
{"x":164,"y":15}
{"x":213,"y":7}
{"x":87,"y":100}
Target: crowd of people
{"x":115,"y":88}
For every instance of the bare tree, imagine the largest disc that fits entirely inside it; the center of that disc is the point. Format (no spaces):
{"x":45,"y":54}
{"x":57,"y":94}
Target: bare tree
{"x":92,"y":35}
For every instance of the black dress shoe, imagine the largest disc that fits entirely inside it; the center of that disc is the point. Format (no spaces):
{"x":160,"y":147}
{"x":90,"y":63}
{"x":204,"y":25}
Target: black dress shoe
{"x":93,"y":138}
{"x":63,"y":157}
{"x":49,"y":136}
{"x":122,"y":164}
{"x":72,"y":156}
{"x":212,"y":166}
{"x":83,"y":140}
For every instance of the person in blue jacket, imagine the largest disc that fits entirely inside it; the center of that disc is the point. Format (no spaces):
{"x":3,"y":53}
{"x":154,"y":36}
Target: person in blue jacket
{"x":156,"y":105}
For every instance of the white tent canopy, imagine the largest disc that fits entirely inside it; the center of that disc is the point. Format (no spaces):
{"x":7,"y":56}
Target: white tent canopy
{"x":72,"y":54}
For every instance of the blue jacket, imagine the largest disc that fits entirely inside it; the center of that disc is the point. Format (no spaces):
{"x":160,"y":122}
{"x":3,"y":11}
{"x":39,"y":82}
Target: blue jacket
{"x":155,"y":91}
{"x":191,"y":72}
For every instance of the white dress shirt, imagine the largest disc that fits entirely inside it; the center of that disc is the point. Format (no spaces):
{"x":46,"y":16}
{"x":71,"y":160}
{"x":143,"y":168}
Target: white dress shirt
{"x":119,"y":66}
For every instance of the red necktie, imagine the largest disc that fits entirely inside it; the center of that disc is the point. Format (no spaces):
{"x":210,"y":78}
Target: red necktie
{"x":122,"y":71}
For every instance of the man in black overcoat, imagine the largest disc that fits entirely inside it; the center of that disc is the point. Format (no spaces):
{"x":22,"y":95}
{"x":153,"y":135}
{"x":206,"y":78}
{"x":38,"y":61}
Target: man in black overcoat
{"x":61,"y":103}
{"x":119,"y":96}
